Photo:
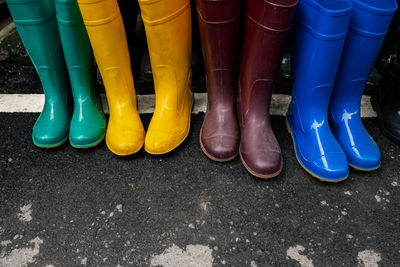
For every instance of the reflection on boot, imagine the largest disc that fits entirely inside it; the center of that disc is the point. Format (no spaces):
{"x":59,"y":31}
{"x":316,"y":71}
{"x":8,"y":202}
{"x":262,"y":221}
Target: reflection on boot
{"x":37,"y":25}
{"x":369,"y":23}
{"x":88,"y":124}
{"x":219,"y":28}
{"x":316,"y":58}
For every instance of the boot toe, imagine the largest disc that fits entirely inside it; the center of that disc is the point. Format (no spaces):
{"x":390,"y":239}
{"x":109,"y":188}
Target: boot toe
{"x":220,"y":148}
{"x":125,"y":141}
{"x":125,"y":137}
{"x":88,"y":125}
{"x":265,"y":166}
{"x":331,"y":167}
{"x":161,"y":142}
{"x":86,"y":140}
{"x":125,"y":146}
{"x":82,"y":135}
{"x":49,"y":140}
{"x":369,"y":158}
{"x":48,"y":137}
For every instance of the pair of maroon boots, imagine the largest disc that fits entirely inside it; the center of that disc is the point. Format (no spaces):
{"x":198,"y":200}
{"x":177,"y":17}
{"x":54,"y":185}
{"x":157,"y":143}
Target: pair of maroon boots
{"x":266,"y":26}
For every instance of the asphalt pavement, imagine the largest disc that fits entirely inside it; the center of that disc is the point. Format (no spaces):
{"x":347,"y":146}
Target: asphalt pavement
{"x":68,"y":207}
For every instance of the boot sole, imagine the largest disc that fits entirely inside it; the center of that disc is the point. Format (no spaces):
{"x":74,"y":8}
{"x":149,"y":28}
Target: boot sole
{"x":124,"y":155}
{"x":87,"y":146}
{"x":211,"y":157}
{"x":266,"y":177}
{"x":364,"y":170}
{"x":51,"y":146}
{"x":308,"y":171}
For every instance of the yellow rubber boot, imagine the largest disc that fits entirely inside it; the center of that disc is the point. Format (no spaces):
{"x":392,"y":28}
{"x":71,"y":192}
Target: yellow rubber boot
{"x":125,"y":132}
{"x":169,"y":36}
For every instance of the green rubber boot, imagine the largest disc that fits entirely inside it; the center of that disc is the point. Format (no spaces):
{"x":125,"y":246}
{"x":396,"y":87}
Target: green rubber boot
{"x":88,"y":124}
{"x":37,"y":25}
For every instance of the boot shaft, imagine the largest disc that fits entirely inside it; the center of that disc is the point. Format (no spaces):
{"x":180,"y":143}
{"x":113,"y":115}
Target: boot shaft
{"x":218,"y":12}
{"x":372,"y":17}
{"x":266,"y":28}
{"x":169,"y":37}
{"x":68,"y":12}
{"x":107,"y":35}
{"x":272,"y":15}
{"x":31,"y":12}
{"x":369,"y":24}
{"x":77,"y":50}
{"x":319,"y":37}
{"x":155,"y":12}
{"x":219,"y":23}
{"x":37,"y":26}
{"x":390,"y":52}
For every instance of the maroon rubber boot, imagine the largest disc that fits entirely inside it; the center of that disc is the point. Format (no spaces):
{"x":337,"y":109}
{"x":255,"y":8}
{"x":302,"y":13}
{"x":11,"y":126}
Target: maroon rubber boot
{"x":266,"y":27}
{"x":219,"y":23}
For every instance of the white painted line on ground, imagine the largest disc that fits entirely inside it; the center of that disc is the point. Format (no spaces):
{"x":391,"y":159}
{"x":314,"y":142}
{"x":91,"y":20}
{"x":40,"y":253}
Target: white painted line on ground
{"x":33,"y":103}
{"x":280,"y":104}
{"x":25,"y":103}
{"x":6,"y":31}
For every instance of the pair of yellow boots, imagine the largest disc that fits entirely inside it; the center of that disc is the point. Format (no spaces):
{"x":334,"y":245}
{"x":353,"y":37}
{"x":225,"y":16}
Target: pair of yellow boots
{"x":169,"y":36}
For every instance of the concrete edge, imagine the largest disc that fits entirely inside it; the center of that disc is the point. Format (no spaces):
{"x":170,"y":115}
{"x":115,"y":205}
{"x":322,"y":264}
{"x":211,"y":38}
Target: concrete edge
{"x":6,"y":31}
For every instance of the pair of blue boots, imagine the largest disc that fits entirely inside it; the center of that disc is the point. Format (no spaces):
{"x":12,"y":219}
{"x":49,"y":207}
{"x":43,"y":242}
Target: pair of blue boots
{"x":335,"y":46}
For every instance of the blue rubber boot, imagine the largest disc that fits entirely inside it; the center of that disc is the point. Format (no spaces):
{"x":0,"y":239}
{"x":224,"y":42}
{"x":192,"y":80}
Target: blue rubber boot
{"x":319,"y":35}
{"x":37,"y":25}
{"x":88,"y":124}
{"x":370,"y":20}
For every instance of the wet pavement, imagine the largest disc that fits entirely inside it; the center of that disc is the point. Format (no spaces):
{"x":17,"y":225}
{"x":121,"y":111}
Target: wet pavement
{"x":68,"y":207}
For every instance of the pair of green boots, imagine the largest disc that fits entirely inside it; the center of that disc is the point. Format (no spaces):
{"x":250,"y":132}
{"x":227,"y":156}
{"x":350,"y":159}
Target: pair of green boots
{"x":55,"y":38}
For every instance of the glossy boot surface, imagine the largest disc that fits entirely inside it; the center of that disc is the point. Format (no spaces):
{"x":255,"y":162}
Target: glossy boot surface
{"x":390,"y":51}
{"x":168,"y":30}
{"x":370,"y":20}
{"x":389,"y":103}
{"x":219,"y":23}
{"x":125,"y":132}
{"x":319,"y":35}
{"x":266,"y":26}
{"x":88,"y":124}
{"x":37,"y":25}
